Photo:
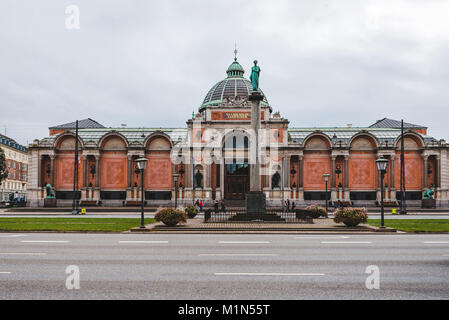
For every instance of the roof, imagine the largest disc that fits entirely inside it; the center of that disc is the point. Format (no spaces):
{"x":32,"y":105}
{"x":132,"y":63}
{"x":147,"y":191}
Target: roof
{"x":179,"y":135}
{"x":133,"y":135}
{"x":9,"y":142}
{"x":345,"y":134}
{"x":82,"y":124}
{"x":390,"y":123}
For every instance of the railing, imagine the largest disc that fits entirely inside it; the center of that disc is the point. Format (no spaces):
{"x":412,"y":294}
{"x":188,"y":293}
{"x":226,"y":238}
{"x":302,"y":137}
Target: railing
{"x":272,"y":215}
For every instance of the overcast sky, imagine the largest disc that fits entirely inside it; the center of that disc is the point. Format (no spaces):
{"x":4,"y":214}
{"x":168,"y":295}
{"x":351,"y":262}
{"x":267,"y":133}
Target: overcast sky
{"x":150,"y":63}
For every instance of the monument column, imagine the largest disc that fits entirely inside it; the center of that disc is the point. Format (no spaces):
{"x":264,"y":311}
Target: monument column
{"x":255,"y":199}
{"x":255,"y":99}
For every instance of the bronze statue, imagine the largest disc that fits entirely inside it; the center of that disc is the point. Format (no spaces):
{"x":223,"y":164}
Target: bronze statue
{"x":428,"y":194}
{"x":254,"y":77}
{"x":275,"y":180}
{"x":199,"y":179}
{"x":50,"y":192}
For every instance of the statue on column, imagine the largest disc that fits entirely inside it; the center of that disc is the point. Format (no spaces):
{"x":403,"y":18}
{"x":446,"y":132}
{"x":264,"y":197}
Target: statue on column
{"x":254,"y":77}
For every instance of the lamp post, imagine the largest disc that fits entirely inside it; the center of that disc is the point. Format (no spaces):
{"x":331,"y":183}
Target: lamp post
{"x":175,"y":180}
{"x":326,"y":179}
{"x":382,"y":167}
{"x":142,"y":165}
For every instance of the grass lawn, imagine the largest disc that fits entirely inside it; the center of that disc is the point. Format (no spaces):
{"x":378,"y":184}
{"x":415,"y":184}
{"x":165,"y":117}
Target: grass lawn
{"x":71,"y":224}
{"x":414,"y":225}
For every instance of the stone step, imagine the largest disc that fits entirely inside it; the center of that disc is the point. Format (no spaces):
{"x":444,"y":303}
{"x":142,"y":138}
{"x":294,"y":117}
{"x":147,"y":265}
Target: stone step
{"x":256,"y":217}
{"x":181,"y":229}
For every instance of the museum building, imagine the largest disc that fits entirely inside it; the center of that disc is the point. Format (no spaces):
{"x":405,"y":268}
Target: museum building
{"x":210,"y":158}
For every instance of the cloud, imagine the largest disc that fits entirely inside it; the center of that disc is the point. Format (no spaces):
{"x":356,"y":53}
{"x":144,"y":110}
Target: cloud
{"x":150,"y":63}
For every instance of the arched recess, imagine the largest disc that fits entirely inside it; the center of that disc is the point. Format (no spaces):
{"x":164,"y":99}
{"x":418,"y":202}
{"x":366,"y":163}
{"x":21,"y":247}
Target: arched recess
{"x":159,"y":173}
{"x":235,"y":146}
{"x":362,"y":163}
{"x":317,"y":161}
{"x":113,"y":162}
{"x":64,"y":163}
{"x":413,"y":162}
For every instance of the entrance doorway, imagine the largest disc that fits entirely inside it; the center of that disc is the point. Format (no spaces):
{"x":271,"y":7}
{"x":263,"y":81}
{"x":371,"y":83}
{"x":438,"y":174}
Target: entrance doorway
{"x":236,"y":182}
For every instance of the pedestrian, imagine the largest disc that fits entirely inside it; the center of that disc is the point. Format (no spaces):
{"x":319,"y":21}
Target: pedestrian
{"x":293,"y":206}
{"x":201,"y":205}
{"x":216,"y":206}
{"x":288,"y":205}
{"x":197,"y":204}
{"x":223,"y":208}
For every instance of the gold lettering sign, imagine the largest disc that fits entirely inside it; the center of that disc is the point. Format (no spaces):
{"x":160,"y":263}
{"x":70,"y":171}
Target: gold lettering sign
{"x":232,"y":115}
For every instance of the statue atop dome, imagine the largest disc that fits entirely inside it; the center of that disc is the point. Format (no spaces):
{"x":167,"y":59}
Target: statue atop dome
{"x":254,"y":77}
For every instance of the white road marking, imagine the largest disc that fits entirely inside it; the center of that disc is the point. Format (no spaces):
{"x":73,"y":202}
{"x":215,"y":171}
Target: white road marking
{"x":436,"y":242}
{"x":44,"y":241}
{"x":5,"y":272}
{"x":238,"y":255}
{"x":23,"y":253}
{"x":346,"y":242}
{"x":12,"y":236}
{"x":265,"y":274}
{"x":321,"y":237}
{"x":242,"y":242}
{"x":143,"y":241}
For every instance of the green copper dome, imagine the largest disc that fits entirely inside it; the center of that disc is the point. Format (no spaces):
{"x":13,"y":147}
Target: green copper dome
{"x":234,"y":88}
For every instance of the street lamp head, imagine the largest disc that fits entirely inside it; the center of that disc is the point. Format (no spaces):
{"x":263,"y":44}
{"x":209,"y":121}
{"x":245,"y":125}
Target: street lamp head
{"x":326,"y":177}
{"x":142,"y":163}
{"x":382,"y":164}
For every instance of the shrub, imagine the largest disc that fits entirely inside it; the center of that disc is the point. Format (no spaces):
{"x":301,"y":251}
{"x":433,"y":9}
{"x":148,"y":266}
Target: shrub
{"x":191,"y":211}
{"x":170,"y":217}
{"x":351,"y":216}
{"x":316,"y":211}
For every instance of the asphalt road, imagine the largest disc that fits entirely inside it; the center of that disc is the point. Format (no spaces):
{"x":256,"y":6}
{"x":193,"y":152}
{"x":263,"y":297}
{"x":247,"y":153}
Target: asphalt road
{"x":151,"y":215}
{"x":176,"y":266}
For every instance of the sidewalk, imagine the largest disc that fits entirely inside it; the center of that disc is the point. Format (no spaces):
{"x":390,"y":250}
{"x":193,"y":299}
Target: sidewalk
{"x":197,"y":225}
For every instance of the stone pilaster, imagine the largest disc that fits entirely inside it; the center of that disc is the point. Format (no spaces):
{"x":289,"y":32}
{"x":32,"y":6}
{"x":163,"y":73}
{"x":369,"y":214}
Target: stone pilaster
{"x":346,"y":174}
{"x":52,"y":170}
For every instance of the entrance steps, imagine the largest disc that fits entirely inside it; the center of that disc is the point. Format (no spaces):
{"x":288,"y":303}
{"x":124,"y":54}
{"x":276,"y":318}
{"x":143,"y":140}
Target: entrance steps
{"x":256,"y":217}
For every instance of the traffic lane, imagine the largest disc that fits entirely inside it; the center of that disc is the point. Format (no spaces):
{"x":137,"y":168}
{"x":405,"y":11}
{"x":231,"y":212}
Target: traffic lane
{"x":123,"y":268}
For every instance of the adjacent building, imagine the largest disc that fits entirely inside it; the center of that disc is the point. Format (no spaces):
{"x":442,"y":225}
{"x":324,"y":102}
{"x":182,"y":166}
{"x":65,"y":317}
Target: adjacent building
{"x":211,"y":158}
{"x":17,"y":165}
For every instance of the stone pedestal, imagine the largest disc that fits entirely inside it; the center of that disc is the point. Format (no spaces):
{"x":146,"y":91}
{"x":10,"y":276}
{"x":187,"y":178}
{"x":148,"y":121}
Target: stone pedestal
{"x":255,"y":202}
{"x":428,"y":203}
{"x":50,"y":202}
